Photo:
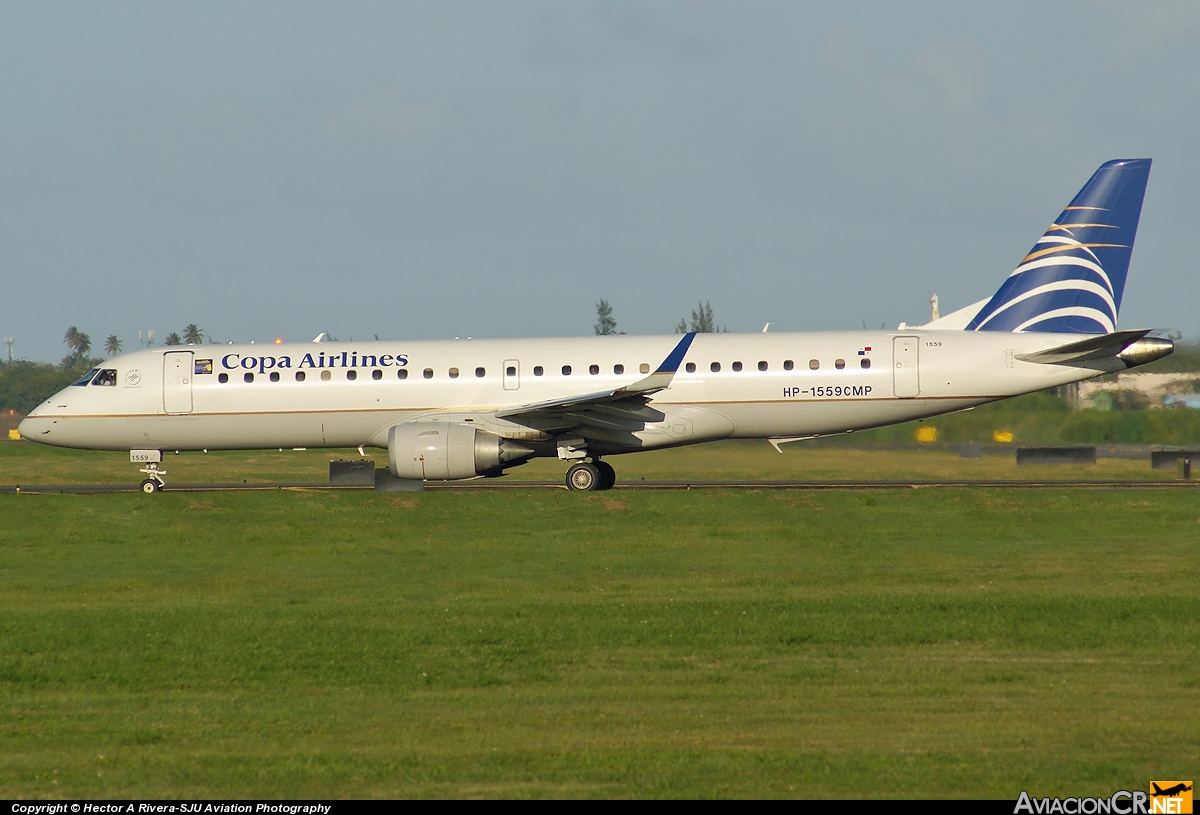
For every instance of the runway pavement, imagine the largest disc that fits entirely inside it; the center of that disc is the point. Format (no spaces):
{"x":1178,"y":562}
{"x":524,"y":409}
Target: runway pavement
{"x":502,"y":484}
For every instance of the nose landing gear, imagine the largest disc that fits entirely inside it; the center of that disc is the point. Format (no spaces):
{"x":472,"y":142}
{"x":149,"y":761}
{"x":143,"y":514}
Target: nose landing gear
{"x":585,"y":477}
{"x":155,"y":482}
{"x":150,"y":458}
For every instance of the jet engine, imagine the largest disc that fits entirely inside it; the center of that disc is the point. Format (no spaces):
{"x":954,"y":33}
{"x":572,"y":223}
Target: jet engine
{"x":445,"y":451}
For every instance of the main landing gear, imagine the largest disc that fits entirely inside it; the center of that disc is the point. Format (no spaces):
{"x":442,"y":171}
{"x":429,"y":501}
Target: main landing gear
{"x":597,"y":475}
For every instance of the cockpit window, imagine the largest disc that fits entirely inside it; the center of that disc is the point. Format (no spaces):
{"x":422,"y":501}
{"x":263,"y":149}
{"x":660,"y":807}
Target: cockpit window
{"x":86,"y":378}
{"x":108,"y":377}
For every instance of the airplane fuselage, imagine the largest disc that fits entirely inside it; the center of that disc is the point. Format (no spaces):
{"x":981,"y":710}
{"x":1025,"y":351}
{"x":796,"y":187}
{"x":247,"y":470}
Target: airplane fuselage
{"x":331,"y":394}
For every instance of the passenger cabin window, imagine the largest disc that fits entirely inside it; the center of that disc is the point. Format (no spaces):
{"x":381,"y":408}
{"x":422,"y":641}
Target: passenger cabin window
{"x":566,"y":370}
{"x":762,"y":365}
{"x":248,"y":377}
{"x":839,"y":364}
{"x":480,"y":373}
{"x":377,"y":374}
{"x":593,"y":369}
{"x":352,"y":374}
{"x":788,"y":365}
{"x":716,"y":366}
{"x":454,"y":373}
{"x":222,"y":378}
{"x":644,"y":367}
{"x":299,"y":376}
{"x":274,"y":376}
{"x":86,"y":378}
{"x":737,"y":366}
{"x":427,"y":373}
{"x":814,"y":365}
{"x":402,"y":373}
{"x":538,"y":370}
{"x":511,"y":370}
{"x":691,"y":367}
{"x":326,"y":376}
{"x":107,"y":377}
{"x":618,"y":369}
{"x":864,"y":363}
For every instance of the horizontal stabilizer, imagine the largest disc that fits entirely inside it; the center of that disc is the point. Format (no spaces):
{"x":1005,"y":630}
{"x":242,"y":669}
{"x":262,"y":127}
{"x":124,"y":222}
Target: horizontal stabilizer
{"x":1131,"y":347}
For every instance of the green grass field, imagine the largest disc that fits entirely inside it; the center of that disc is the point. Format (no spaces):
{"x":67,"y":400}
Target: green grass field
{"x":949,"y":642}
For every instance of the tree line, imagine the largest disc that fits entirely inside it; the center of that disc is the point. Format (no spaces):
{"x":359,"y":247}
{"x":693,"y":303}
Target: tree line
{"x":24,"y":384}
{"x":703,"y":321}
{"x":81,"y":343}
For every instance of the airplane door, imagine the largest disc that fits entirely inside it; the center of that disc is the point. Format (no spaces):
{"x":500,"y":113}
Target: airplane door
{"x":177,"y":382}
{"x":905,"y":373}
{"x":512,"y":374}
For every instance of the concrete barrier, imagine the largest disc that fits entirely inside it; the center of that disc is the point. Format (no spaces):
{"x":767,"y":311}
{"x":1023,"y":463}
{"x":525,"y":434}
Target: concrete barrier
{"x":1056,"y":455}
{"x":1169,"y":459}
{"x":361,"y":471}
{"x":386,"y":482}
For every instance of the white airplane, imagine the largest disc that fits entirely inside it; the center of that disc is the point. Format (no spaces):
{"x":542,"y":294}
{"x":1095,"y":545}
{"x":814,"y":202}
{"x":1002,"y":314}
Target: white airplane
{"x":462,"y":409}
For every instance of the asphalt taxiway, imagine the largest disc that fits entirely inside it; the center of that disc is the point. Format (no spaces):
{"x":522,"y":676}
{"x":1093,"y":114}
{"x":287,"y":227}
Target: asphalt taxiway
{"x":710,"y":484}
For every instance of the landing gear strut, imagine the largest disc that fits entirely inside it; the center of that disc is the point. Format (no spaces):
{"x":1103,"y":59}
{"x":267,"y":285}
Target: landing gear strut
{"x":155,"y":482}
{"x":585,"y":477}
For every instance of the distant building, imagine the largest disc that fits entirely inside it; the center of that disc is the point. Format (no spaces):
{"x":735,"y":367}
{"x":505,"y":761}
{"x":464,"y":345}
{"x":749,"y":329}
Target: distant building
{"x":1140,"y":390}
{"x":1190,"y":400}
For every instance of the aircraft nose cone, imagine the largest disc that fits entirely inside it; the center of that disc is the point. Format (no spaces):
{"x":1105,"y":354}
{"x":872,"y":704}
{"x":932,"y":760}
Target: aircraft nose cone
{"x":25,"y":428}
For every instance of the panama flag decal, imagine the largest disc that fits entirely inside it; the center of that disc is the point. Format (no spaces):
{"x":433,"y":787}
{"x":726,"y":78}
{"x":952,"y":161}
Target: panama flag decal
{"x":862,"y":352}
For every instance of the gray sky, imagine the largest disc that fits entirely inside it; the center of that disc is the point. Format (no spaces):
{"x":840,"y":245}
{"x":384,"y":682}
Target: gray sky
{"x":441,"y":169}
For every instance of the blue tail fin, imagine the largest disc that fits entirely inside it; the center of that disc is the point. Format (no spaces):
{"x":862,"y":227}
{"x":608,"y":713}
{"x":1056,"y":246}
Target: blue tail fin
{"x":1072,"y":280}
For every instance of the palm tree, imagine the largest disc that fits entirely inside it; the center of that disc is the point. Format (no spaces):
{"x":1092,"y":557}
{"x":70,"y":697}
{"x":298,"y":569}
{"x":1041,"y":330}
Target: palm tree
{"x":173,"y":339}
{"x":112,"y":345}
{"x":83,"y":344}
{"x":193,"y":334}
{"x":79,"y":344}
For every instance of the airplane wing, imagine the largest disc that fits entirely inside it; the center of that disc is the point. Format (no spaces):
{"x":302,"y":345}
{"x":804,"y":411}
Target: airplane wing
{"x":622,"y":409}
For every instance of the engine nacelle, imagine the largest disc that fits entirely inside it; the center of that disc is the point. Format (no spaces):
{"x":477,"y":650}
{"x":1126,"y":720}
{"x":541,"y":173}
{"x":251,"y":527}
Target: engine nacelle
{"x":446,"y":451}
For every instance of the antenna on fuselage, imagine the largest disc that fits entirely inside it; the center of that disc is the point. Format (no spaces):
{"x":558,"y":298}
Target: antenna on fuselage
{"x":321,"y":337}
{"x":767,"y":326}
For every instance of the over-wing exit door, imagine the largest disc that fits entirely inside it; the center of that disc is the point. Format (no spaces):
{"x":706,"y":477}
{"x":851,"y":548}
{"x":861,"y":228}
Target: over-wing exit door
{"x":512,"y":374}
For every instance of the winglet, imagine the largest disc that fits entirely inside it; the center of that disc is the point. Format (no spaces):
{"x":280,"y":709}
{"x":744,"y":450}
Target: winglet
{"x":671,"y":364}
{"x":665,"y":372}
{"x":656,"y":381}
